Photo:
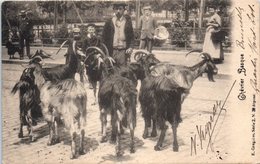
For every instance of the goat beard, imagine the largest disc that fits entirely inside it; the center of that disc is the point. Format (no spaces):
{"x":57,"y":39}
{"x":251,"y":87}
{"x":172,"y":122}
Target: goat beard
{"x":210,"y":77}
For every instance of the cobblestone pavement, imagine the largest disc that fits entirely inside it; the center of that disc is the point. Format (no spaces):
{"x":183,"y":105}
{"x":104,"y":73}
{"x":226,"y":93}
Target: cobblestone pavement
{"x":196,"y":110}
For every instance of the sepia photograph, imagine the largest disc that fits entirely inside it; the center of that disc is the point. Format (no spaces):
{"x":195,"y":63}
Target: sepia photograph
{"x":130,"y":81}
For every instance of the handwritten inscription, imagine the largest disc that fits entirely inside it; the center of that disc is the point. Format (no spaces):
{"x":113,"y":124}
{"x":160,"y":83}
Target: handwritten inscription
{"x":253,"y":81}
{"x":240,"y":42}
{"x":206,"y":132}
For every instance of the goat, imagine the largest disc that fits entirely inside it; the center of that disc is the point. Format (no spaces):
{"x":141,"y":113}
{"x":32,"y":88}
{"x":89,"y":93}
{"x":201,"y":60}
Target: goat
{"x":94,"y":64}
{"x":66,"y":99}
{"x":64,"y":71}
{"x":166,"y":87}
{"x":117,"y":96}
{"x":29,"y":96}
{"x":132,"y":71}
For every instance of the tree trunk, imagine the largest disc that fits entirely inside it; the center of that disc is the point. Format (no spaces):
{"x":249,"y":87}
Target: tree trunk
{"x":137,"y":13}
{"x":201,"y":13}
{"x":186,"y":10}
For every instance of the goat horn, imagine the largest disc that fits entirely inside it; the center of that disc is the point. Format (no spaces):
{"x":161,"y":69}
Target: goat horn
{"x":196,"y":50}
{"x":138,"y":53}
{"x":61,"y":46}
{"x":206,"y":55}
{"x":98,"y":49}
{"x":105,"y":47}
{"x":111,"y":60}
{"x":100,"y":60}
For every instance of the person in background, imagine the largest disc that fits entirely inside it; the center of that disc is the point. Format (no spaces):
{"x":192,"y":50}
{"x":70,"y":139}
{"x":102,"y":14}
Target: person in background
{"x":78,"y":47}
{"x":212,"y":45}
{"x":118,"y":35}
{"x":147,"y":24}
{"x":25,"y":28}
{"x":91,"y":39}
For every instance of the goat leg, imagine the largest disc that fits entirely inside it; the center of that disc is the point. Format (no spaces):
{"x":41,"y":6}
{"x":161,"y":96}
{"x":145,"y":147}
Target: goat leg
{"x":20,"y":134}
{"x":50,"y":142}
{"x":30,"y":127}
{"x":31,"y":134}
{"x":174,"y":131}
{"x":146,"y":125}
{"x":158,"y":146}
{"x":114,"y":129}
{"x":81,"y":142}
{"x":73,"y":145}
{"x":132,"y":144}
{"x":119,"y":151}
{"x":154,"y":130}
{"x":103,"y":118}
{"x":56,"y":138}
{"x":95,"y":92}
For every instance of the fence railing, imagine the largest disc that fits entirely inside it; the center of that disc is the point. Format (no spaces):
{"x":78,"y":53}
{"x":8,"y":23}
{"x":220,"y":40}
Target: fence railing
{"x":179,"y":38}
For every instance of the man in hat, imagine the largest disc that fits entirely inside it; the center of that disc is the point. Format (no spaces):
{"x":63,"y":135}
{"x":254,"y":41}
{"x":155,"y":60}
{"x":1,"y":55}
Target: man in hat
{"x":118,"y":35}
{"x":25,"y":27}
{"x":147,"y":24}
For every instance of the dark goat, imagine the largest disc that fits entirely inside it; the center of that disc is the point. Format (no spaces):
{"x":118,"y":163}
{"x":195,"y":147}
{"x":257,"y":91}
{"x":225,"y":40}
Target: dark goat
{"x":65,"y":71}
{"x":29,"y":97}
{"x":64,"y":99}
{"x":117,"y":96}
{"x":95,"y":66}
{"x":145,"y":59}
{"x":132,"y":71}
{"x":165,"y":88}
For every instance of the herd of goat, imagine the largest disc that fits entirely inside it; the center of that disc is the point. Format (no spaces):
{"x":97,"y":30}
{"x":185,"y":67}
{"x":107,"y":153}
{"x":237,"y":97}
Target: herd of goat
{"x":54,"y":94}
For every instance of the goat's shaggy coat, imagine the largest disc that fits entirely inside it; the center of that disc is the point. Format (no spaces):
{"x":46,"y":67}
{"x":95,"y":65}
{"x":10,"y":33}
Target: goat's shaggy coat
{"x":66,"y":99}
{"x":29,"y":96}
{"x":117,"y":96}
{"x":166,"y":87}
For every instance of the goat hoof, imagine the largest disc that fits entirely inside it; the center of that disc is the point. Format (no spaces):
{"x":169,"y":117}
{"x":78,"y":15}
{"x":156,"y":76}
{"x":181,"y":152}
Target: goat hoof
{"x":20,"y":135}
{"x":72,"y":156}
{"x":153,"y":134}
{"x":175,"y":148}
{"x":119,"y":153}
{"x":112,"y":141}
{"x":32,"y":138}
{"x":103,"y":139}
{"x":145,"y":135}
{"x":49,"y":143}
{"x":82,"y":151}
{"x":157,"y":148}
{"x":56,"y":140}
{"x":132,"y":150}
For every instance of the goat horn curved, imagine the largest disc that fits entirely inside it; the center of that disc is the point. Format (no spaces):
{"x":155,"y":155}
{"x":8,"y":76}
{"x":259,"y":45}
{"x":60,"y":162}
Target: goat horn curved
{"x":196,"y":50}
{"x":111,"y":60}
{"x":98,"y":49}
{"x":105,"y":47}
{"x":206,"y":55}
{"x":137,"y":54}
{"x":61,"y":46}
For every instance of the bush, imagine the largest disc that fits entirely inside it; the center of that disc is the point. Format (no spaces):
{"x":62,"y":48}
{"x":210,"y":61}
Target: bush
{"x":62,"y":34}
{"x":180,"y":36}
{"x":46,"y":37}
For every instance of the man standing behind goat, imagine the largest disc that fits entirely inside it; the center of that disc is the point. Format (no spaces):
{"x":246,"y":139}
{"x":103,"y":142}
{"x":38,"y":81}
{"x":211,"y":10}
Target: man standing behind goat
{"x":118,"y":35}
{"x":25,"y":32}
{"x":147,"y":25}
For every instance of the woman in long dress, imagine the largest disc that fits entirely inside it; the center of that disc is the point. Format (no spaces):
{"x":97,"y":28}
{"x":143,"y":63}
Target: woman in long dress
{"x":211,"y":46}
